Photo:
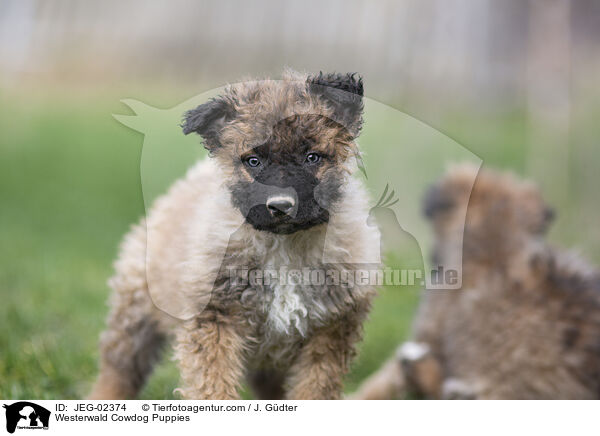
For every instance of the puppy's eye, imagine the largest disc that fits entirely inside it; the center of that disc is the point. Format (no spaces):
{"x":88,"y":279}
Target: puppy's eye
{"x":253,"y":161}
{"x":313,"y":158}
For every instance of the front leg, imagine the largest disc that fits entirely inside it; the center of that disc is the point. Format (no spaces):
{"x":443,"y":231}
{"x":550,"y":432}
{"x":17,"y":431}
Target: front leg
{"x":324,"y":359}
{"x":211,"y":358}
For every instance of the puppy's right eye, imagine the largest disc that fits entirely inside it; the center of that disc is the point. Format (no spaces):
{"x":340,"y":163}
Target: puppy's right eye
{"x":253,"y":161}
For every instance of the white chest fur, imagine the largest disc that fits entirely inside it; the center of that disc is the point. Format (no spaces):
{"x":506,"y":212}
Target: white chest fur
{"x":288,"y":309}
{"x":293,"y":303}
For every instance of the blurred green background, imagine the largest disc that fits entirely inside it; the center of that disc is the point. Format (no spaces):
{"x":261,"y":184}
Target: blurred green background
{"x":70,"y":173}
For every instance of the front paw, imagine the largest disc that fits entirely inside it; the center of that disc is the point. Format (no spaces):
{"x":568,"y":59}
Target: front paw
{"x":421,"y":369}
{"x":411,"y":352}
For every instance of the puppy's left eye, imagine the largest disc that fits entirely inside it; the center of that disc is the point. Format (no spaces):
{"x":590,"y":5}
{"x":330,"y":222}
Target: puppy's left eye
{"x":253,"y":161}
{"x":313,"y":158}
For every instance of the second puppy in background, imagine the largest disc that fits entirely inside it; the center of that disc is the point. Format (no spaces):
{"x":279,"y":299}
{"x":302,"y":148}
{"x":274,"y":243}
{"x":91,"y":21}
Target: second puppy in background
{"x":526,"y":323}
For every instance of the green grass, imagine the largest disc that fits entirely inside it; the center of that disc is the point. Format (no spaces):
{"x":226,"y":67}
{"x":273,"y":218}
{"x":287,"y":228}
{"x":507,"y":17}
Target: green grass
{"x":69,"y":189}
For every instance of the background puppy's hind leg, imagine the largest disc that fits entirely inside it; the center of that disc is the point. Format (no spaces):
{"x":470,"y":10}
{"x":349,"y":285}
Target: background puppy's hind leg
{"x":413,"y":371}
{"x":386,"y":384}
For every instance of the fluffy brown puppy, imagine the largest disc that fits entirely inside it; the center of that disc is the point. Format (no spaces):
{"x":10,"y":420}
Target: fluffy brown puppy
{"x":276,"y":193}
{"x":526,"y":323}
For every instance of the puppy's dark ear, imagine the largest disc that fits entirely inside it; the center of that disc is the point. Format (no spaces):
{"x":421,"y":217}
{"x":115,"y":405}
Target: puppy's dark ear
{"x":344,"y":93}
{"x":208,"y":120}
{"x":436,"y":201}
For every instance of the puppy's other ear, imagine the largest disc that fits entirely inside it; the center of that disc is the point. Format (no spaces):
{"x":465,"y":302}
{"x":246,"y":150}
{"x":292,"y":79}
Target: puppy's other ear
{"x":344,"y":93}
{"x":549,"y":215}
{"x":436,"y":201}
{"x":208,"y":120}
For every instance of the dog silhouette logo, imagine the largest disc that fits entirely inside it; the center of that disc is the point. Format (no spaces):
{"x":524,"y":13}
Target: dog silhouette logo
{"x":26,"y":415}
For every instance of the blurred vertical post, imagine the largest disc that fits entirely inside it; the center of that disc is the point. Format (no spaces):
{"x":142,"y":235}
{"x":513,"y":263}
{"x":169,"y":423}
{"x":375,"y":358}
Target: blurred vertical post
{"x":17,"y":21}
{"x":548,"y":97}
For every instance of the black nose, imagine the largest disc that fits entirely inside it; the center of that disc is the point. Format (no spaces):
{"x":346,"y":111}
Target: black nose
{"x":279,"y":208}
